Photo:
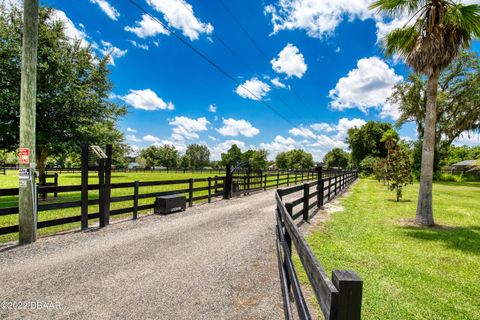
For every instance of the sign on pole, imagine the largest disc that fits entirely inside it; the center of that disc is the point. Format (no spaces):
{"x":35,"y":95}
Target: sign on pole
{"x":24,"y":156}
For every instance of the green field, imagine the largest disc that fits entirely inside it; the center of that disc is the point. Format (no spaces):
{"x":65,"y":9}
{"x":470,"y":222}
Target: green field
{"x":409,"y":272}
{"x":11,"y":181}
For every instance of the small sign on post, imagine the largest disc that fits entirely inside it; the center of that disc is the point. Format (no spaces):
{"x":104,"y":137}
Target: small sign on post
{"x":23,"y":155}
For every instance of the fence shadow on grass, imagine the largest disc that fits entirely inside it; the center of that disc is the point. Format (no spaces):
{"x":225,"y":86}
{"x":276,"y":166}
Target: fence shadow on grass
{"x":465,"y":239}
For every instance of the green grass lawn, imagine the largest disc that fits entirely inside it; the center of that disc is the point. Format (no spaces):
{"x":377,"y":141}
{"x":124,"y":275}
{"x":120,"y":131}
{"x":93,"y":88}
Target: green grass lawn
{"x":408,"y":272}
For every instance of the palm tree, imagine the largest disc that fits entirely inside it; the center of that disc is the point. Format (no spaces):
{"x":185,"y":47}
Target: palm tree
{"x":436,"y":32}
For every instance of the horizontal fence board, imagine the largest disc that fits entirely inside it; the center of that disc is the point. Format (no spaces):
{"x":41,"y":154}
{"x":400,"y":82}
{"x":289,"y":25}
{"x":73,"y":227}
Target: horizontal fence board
{"x":161,"y":193}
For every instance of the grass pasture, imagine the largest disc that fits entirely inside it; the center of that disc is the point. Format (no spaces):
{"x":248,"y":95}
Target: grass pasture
{"x":409,"y":272}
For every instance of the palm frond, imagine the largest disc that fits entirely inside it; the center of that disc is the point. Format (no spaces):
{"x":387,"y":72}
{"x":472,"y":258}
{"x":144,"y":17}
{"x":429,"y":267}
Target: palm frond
{"x":401,"y":41}
{"x":464,"y":18}
{"x":397,"y":7}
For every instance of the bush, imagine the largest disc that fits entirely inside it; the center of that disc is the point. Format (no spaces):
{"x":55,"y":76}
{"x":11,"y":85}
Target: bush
{"x":456,"y":177}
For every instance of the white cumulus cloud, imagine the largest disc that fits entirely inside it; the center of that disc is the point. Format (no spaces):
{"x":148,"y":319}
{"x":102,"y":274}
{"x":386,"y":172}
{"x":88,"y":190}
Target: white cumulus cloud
{"x":72,"y":31}
{"x":151,"y":138}
{"x":146,"y":100}
{"x":138,"y":45}
{"x":112,"y":51}
{"x":290,"y":61}
{"x":187,"y":128}
{"x":319,"y":18}
{"x":147,"y":27}
{"x":132,"y":137}
{"x":107,"y":8}
{"x":253,"y":89}
{"x":367,"y":86}
{"x":180,"y":15}
{"x":232,"y":127}
{"x":212,"y":108}
{"x":277,"y":83}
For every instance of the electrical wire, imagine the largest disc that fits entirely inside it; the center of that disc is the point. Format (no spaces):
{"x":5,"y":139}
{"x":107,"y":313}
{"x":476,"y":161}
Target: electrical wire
{"x":211,"y":62}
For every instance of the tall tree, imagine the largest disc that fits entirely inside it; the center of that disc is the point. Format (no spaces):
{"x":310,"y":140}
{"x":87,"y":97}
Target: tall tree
{"x":440,"y":29}
{"x":198,"y":155}
{"x":294,"y":159}
{"x":366,"y":141}
{"x":164,"y":156}
{"x":337,"y":158}
{"x":72,"y":88}
{"x":458,"y":101}
{"x":257,"y":159}
{"x":233,"y":156}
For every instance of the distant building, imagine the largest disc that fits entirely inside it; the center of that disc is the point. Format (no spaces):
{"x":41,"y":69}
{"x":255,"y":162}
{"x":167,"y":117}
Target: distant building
{"x":470,"y":166}
{"x":133,"y":165}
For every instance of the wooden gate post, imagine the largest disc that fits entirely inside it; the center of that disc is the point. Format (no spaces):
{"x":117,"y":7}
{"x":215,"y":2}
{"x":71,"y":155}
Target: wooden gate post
{"x":108,"y":179}
{"x":227,"y":187}
{"x":84,"y":197}
{"x":101,"y":192}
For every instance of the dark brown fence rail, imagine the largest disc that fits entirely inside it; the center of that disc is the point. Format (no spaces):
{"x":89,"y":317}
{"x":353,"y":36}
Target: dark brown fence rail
{"x":338,"y":298}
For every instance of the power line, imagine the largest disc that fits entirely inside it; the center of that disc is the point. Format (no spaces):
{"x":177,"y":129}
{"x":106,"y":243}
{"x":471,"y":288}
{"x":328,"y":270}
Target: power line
{"x":211,"y":62}
{"x":243,"y":62}
{"x":259,"y":49}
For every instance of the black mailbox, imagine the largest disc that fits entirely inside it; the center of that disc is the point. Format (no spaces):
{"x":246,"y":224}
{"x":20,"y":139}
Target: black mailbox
{"x":171,"y":203}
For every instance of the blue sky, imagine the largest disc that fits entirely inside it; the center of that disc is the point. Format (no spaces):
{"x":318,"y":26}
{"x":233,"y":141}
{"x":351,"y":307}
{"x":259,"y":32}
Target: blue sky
{"x":318,"y":63}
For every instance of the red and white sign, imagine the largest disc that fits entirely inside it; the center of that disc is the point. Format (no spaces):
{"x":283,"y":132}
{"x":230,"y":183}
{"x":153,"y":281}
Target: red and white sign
{"x":24,"y":155}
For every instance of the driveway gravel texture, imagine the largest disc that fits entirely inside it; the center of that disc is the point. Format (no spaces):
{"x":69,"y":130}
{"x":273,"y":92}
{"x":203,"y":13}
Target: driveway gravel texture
{"x":213,"y":261}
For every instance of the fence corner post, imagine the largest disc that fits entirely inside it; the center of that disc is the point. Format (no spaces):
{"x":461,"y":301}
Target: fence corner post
{"x":349,"y":286}
{"x":320,"y":186}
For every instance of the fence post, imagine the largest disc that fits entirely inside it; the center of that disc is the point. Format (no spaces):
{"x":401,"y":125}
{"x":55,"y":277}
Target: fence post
{"x":288,"y":179}
{"x":101,"y":192}
{"x":55,"y":181}
{"x":190,"y":192}
{"x":209,"y":189}
{"x":278,"y":179}
{"x":135,"y":199}
{"x":108,"y":178}
{"x":227,"y":185}
{"x":216,"y":187}
{"x":306,"y":194}
{"x":349,"y":285}
{"x":84,"y":192}
{"x":320,"y":186}
{"x":265,"y":182}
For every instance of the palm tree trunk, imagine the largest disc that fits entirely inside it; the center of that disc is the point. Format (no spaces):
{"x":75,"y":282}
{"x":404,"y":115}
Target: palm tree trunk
{"x":424,"y":207}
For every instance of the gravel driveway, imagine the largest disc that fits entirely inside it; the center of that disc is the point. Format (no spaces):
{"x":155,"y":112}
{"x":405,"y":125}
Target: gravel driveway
{"x":214,"y":261}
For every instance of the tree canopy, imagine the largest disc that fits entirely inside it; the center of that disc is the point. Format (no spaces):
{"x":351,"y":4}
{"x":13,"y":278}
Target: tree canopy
{"x":160,"y":156}
{"x":458,"y":100}
{"x":294,"y":159}
{"x":72,"y":89}
{"x":197,"y":156}
{"x":336,"y":158}
{"x":367,"y":141}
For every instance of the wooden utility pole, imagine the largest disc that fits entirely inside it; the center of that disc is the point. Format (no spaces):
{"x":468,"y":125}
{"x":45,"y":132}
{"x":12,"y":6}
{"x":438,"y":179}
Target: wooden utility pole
{"x":28,"y":93}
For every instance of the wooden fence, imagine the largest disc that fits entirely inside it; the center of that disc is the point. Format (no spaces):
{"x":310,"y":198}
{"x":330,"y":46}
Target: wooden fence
{"x":212,"y":186}
{"x":339,"y":298}
{"x":195,"y":190}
